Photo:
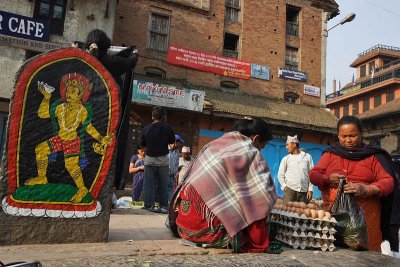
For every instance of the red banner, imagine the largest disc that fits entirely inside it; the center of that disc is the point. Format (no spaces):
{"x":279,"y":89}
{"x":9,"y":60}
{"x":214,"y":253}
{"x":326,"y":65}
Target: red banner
{"x":213,"y":63}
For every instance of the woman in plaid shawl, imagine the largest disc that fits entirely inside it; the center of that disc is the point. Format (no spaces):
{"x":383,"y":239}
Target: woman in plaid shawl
{"x":227,"y":193}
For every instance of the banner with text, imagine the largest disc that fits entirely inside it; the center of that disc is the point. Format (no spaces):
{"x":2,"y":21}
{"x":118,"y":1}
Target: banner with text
{"x":312,"y":90}
{"x":167,"y":96}
{"x":206,"y":62}
{"x":292,"y":75}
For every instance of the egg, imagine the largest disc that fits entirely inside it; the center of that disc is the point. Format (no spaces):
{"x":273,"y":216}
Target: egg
{"x":302,"y":205}
{"x":279,"y":201}
{"x":289,"y":204}
{"x":299,"y":211}
{"x":313,"y":214}
{"x":295,"y":204}
{"x":311,"y":206}
{"x":285,"y":208}
{"x":307,"y":213}
{"x":328,"y":215}
{"x":321,"y":214}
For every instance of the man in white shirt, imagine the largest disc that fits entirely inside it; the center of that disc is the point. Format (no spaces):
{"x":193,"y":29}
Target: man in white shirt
{"x":293,"y":173}
{"x":184,"y":162}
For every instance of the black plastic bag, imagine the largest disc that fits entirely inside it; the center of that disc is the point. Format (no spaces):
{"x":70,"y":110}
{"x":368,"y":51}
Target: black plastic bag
{"x":351,"y":226}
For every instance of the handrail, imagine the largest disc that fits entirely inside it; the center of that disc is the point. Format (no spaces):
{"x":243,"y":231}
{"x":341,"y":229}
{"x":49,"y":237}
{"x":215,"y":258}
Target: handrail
{"x":395,"y":73}
{"x":379,"y":46}
{"x":390,"y":64}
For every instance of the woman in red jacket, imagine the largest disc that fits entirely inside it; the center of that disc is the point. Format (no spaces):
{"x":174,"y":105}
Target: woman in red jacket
{"x":368,"y":172}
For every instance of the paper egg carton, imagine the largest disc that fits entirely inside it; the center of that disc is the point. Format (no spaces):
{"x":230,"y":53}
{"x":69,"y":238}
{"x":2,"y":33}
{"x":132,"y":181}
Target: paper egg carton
{"x":302,"y":232}
{"x":303,"y":239}
{"x":283,"y":217}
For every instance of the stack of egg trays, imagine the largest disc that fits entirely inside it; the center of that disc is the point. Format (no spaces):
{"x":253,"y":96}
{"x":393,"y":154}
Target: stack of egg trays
{"x":302,"y":232}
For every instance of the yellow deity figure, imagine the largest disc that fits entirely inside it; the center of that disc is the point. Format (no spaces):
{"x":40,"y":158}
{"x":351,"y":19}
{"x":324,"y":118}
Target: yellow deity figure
{"x":67,"y":114}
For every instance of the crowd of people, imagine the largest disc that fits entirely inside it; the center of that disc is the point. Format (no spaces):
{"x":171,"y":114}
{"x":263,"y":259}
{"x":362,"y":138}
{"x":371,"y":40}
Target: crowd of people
{"x":223,"y":197}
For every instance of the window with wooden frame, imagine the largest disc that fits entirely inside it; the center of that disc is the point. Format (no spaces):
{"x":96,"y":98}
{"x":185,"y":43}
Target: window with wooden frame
{"x":346,"y":110}
{"x":53,"y":11}
{"x":229,"y":87}
{"x":291,"y":97}
{"x":377,"y":100}
{"x":292,"y":20}
{"x":371,"y":67}
{"x":355,"y":108}
{"x":231,"y":45}
{"x":389,"y":96}
{"x":291,"y":58}
{"x":155,"y":72}
{"x":158,"y":32}
{"x":365,"y":104}
{"x":337,"y":112}
{"x":232,"y":10}
{"x":363,"y":71}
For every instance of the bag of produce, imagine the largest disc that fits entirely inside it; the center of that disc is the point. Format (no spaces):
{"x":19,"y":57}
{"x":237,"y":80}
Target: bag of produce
{"x":351,"y":226}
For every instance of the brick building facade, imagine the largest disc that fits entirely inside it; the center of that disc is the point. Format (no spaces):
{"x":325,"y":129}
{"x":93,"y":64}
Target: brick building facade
{"x":374,"y":96}
{"x":286,"y":37}
{"x":377,"y":82}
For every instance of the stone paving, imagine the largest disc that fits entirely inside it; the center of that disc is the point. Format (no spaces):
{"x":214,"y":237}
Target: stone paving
{"x":139,"y":238}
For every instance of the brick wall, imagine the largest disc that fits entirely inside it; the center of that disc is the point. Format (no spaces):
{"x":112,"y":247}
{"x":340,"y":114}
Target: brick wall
{"x":262,"y":41}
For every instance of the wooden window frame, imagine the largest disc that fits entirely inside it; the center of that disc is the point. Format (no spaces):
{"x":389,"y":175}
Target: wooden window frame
{"x":151,"y":30}
{"x":49,"y":17}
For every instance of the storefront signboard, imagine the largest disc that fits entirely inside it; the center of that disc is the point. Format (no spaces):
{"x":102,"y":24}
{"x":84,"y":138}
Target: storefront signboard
{"x":24,"y":27}
{"x":167,"y":96}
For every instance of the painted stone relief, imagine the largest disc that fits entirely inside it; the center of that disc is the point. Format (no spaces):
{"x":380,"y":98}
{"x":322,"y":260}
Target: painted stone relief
{"x":61,"y":135}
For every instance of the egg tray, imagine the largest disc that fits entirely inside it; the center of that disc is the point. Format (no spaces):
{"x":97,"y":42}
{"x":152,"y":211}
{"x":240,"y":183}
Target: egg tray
{"x":325,"y":244}
{"x":309,"y":234}
{"x":303,"y":225}
{"x":293,"y":216}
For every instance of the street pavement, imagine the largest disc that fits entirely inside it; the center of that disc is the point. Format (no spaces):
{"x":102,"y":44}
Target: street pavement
{"x":139,"y":238}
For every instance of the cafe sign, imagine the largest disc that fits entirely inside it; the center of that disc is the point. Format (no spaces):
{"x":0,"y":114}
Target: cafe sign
{"x":24,"y":27}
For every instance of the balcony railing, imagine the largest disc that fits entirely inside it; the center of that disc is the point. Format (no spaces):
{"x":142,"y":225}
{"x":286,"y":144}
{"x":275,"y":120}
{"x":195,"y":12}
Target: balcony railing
{"x":393,"y":63}
{"x":292,"y":28}
{"x":230,"y":53}
{"x":366,"y":83}
{"x":379,"y":46}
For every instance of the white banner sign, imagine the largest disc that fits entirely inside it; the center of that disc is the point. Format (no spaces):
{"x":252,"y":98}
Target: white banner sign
{"x":312,"y":90}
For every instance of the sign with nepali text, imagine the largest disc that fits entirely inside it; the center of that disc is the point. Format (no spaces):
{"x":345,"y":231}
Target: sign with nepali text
{"x":206,"y":62}
{"x":24,"y":27}
{"x":293,"y":75}
{"x":167,"y":96}
{"x":260,"y":72}
{"x":312,"y":90}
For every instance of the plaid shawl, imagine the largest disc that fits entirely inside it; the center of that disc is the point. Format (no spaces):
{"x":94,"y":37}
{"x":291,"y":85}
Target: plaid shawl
{"x":233,"y":180}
